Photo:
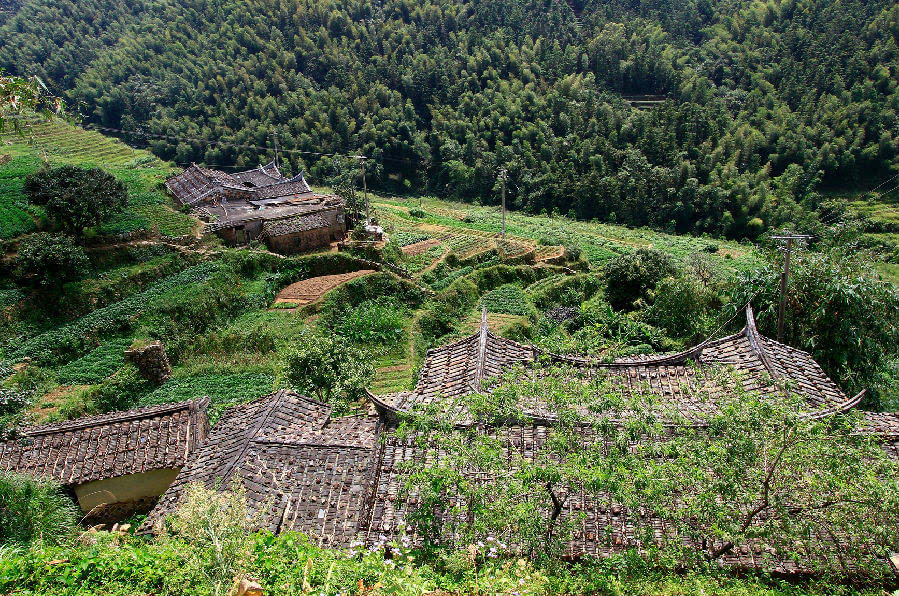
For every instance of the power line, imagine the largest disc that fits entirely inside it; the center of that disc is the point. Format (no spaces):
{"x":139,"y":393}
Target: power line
{"x":247,"y":145}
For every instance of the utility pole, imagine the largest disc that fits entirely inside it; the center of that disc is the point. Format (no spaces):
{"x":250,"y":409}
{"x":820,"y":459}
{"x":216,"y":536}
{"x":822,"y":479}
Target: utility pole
{"x":502,"y":176}
{"x":785,"y":278}
{"x":365,"y":193}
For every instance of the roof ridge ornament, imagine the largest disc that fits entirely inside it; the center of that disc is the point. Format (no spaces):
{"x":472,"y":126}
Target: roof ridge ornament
{"x":757,"y":342}
{"x":483,"y":333}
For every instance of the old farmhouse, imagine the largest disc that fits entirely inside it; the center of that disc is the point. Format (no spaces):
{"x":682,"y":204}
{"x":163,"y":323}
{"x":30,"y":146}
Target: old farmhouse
{"x":339,"y":479}
{"x":261,"y":204}
{"x":114,"y":464}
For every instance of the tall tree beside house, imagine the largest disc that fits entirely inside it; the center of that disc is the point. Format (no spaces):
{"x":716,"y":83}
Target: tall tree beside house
{"x":330,"y":368}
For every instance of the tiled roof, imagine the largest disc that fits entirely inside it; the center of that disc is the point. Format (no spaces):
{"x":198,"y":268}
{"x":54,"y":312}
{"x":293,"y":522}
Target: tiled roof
{"x":110,"y":445}
{"x":196,"y":183}
{"x":333,"y":479}
{"x":260,"y":177}
{"x":603,"y":528}
{"x":293,"y":187}
{"x":761,"y":365}
{"x":302,"y":469}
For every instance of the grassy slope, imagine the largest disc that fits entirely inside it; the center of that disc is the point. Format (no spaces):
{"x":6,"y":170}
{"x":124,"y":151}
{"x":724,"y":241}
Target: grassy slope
{"x":61,"y":143}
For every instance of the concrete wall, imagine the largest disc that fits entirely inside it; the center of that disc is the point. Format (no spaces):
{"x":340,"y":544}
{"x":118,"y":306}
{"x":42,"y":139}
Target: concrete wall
{"x":124,"y":489}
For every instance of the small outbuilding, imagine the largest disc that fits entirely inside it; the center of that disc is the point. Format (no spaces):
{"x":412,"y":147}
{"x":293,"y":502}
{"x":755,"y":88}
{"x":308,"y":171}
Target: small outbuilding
{"x":114,"y":464}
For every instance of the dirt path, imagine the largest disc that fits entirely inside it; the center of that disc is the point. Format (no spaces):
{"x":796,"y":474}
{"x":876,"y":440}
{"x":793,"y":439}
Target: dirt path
{"x":313,"y":289}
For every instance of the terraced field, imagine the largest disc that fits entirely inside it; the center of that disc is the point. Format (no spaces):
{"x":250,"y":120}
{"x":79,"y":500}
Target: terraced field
{"x":475,"y":229}
{"x":57,"y":142}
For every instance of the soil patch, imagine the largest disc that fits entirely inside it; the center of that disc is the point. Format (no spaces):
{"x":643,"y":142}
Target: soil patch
{"x":313,"y":289}
{"x":420,"y":247}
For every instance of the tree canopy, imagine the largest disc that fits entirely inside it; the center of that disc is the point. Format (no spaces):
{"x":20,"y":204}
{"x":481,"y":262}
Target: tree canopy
{"x":766,"y":103}
{"x":75,"y":198}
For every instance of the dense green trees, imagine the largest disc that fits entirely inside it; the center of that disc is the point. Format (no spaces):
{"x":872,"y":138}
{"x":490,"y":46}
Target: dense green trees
{"x":442,"y":93}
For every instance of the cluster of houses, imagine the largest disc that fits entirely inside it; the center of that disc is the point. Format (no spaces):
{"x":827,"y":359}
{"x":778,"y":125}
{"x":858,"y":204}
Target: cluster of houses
{"x":338,"y":479}
{"x":261,"y":204}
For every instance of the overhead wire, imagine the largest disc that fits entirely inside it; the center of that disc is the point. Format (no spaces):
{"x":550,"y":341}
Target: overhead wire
{"x":248,"y":145}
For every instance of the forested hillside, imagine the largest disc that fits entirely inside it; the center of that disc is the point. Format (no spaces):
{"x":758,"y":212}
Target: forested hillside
{"x":770,"y":106}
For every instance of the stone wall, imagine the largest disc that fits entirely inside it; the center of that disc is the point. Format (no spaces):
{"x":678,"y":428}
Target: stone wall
{"x":152,"y":362}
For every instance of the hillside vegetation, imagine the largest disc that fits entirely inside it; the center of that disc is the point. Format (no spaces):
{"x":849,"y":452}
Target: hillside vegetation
{"x":768,"y":103}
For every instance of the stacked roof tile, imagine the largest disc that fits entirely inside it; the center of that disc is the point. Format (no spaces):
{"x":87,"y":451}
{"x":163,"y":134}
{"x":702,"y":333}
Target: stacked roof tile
{"x":110,"y":445}
{"x":302,"y":470}
{"x":338,"y":480}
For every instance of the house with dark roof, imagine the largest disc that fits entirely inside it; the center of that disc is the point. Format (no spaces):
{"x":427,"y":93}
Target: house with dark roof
{"x":113,"y":464}
{"x":302,"y":469}
{"x":261,"y":204}
{"x":340,"y":479}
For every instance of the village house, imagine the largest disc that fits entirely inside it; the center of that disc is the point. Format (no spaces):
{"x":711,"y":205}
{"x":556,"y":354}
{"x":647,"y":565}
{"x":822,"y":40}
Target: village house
{"x":114,"y":464}
{"x":338,"y":480}
{"x":261,"y":204}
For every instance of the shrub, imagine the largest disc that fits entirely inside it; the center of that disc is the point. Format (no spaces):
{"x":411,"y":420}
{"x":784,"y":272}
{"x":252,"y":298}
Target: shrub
{"x":34,"y":511}
{"x":76,"y":198}
{"x":683,"y":308}
{"x":329,"y":367}
{"x":418,"y":213}
{"x":217,"y":528}
{"x":634,"y":276}
{"x":51,"y":260}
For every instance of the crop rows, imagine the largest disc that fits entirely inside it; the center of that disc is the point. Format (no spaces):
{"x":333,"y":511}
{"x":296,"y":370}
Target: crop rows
{"x":466,"y":245}
{"x":508,"y":299}
{"x":95,"y":366}
{"x":223,"y":390}
{"x":421,"y":261}
{"x":407,"y":238}
{"x":50,"y":346}
{"x":80,"y":145}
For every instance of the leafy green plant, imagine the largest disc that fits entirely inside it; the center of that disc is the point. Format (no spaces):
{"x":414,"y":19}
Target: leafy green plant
{"x":216,"y":527}
{"x":96,"y":365}
{"x":34,"y":511}
{"x":373,"y":322}
{"x":634,"y":276}
{"x":51,"y":260}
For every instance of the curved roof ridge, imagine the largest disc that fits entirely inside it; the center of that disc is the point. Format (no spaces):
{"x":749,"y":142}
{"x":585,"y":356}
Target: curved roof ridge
{"x":840,"y":408}
{"x":756,"y":340}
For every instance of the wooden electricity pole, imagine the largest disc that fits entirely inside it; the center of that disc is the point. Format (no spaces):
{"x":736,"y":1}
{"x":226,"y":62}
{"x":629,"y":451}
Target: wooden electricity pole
{"x":785,"y":278}
{"x":365,"y":193}
{"x":502,"y":177}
